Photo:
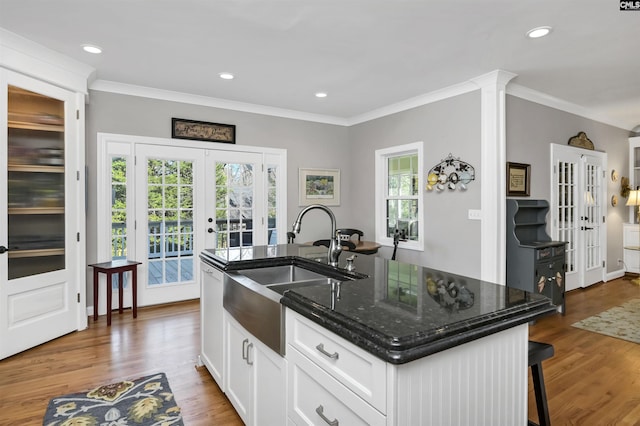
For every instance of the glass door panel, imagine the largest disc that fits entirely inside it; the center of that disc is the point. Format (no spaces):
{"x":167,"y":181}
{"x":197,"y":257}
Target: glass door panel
{"x":36,"y":185}
{"x":170,"y":221}
{"x":235,"y":191}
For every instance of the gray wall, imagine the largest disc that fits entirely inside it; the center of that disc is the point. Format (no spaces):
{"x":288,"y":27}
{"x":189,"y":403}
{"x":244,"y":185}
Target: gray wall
{"x":532,"y":127}
{"x":452,"y":241}
{"x":448,"y":126}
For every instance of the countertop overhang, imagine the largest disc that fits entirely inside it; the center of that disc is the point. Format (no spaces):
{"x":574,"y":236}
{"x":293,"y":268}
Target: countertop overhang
{"x":397,"y":311}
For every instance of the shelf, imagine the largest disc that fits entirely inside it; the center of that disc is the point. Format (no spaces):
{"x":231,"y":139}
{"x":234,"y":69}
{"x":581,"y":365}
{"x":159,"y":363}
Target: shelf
{"x":16,"y":254}
{"x":35,"y":210}
{"x":35,"y":126}
{"x":35,"y":168}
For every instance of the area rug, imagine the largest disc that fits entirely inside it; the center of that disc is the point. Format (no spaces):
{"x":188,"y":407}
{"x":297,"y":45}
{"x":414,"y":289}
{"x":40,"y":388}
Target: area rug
{"x":145,"y":401}
{"x":622,"y":322}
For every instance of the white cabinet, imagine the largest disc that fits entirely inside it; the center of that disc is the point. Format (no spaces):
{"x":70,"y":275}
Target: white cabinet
{"x":211,"y":322}
{"x":254,"y":377}
{"x":631,"y":247}
{"x":42,"y":208}
{"x":330,"y":379}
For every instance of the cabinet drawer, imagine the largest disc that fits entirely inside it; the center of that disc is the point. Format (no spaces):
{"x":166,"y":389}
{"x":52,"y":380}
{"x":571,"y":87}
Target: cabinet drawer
{"x":358,"y":370}
{"x":316,"y":398}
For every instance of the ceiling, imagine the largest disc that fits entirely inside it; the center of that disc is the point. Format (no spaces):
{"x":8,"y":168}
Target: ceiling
{"x":365,"y":54}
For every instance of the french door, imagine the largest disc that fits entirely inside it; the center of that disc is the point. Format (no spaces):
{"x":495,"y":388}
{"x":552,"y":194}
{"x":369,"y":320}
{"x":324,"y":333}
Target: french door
{"x":234,"y":183}
{"x":169,"y":186}
{"x":578,"y":208}
{"x":163,"y":205}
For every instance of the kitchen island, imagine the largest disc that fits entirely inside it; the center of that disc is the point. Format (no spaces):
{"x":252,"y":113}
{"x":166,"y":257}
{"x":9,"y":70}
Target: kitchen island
{"x":395,"y":343}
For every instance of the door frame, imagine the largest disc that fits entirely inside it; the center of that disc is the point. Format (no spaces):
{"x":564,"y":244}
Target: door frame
{"x":579,"y":153}
{"x":108,"y":142}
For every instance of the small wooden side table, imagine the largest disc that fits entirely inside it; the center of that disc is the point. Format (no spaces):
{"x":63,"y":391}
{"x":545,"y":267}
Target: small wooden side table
{"x":115,"y":267}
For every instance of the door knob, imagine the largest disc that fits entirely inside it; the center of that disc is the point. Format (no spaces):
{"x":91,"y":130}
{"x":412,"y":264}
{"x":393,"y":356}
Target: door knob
{"x":3,"y":249}
{"x":210,"y":230}
{"x":210,"y":220}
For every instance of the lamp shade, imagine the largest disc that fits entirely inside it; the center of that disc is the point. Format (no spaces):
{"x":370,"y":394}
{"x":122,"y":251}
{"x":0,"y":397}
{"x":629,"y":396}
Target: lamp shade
{"x":634,"y":198}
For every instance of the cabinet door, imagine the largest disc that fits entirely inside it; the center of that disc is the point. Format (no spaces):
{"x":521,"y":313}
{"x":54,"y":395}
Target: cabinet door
{"x":38,"y":213}
{"x":211,"y":324}
{"x":270,"y":386}
{"x":239,"y":371}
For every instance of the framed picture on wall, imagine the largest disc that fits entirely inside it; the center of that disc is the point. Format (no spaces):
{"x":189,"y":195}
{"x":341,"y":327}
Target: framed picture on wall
{"x":319,"y":186}
{"x":518,"y":179}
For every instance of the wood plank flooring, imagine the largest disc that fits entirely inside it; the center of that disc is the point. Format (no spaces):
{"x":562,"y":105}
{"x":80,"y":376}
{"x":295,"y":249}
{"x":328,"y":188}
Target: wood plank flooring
{"x":162,"y":339}
{"x":592,"y":379}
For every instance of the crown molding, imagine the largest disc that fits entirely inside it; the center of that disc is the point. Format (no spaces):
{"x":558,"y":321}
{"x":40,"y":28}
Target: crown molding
{"x":418,"y":101}
{"x":168,"y":95}
{"x":541,"y":98}
{"x":27,"y":57}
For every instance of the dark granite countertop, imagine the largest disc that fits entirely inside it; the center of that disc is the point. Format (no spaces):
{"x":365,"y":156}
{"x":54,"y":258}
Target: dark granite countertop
{"x":397,"y":311}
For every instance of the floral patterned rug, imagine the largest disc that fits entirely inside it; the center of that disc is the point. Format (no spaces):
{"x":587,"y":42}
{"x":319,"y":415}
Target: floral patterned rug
{"x":622,"y":322}
{"x":145,"y":401}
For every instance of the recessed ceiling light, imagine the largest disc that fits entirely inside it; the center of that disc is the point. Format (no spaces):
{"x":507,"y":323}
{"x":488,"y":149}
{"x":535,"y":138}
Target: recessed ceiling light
{"x":226,"y":76}
{"x":92,"y":48}
{"x":538,"y":32}
{"x":321,"y":95}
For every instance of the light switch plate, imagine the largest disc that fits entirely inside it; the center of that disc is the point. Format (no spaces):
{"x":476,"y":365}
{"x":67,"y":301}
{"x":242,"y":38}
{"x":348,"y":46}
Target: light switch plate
{"x":475,"y":214}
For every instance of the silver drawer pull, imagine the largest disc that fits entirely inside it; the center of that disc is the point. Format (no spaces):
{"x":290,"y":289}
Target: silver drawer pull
{"x":320,"y":411}
{"x":334,"y":355}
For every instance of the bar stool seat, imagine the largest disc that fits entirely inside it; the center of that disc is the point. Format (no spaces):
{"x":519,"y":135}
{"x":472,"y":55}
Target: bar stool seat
{"x":119,"y":267}
{"x":538,"y":352}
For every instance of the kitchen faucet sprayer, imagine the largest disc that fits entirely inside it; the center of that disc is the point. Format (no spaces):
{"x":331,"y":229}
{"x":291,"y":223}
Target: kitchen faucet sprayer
{"x":334,"y":246}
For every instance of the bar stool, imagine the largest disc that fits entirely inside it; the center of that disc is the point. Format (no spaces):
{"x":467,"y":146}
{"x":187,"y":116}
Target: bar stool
{"x":116,"y":267}
{"x":538,"y":352}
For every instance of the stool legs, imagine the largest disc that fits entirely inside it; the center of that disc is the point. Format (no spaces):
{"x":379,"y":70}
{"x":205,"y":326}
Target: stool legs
{"x":541,"y":395}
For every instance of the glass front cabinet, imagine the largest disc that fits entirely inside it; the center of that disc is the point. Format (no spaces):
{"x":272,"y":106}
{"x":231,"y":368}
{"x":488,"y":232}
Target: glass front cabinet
{"x":42,"y":221}
{"x":36,"y":183}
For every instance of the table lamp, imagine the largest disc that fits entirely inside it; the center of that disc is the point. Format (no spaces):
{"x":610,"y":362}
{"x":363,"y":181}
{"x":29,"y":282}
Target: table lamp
{"x":634,"y":200}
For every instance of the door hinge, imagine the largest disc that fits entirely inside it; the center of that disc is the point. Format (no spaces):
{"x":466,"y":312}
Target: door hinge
{"x":135,"y":160}
{"x":604,"y":219}
{"x":135,"y":224}
{"x":78,"y":237}
{"x":78,"y":175}
{"x":554,"y":169}
{"x":604,"y":262}
{"x":78,"y":297}
{"x":77,"y":114}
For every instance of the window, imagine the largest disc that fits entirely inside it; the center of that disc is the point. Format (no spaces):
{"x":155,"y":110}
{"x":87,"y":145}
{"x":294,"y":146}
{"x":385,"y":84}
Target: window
{"x":399,"y":195}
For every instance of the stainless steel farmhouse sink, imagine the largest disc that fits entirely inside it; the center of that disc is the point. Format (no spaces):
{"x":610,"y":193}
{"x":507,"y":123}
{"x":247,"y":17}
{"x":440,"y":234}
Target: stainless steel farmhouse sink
{"x":280,"y":274}
{"x":252,"y":297}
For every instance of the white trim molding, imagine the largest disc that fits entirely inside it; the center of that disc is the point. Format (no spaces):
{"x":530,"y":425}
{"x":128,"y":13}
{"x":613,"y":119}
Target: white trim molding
{"x":493,"y":174}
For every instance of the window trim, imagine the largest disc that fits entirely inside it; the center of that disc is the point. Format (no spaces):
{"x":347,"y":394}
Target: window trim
{"x":381,"y":173}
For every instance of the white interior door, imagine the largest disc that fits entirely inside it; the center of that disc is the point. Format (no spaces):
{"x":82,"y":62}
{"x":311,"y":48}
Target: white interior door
{"x":578,"y":209}
{"x":39,"y":297}
{"x":169,"y":185}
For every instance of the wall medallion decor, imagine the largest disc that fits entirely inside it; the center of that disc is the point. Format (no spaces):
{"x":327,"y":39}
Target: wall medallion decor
{"x":518,"y":179}
{"x":581,"y":141}
{"x":450,"y":173}
{"x":202,"y":131}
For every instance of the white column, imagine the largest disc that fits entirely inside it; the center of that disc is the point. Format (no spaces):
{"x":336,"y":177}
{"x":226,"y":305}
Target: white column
{"x":493,"y":174}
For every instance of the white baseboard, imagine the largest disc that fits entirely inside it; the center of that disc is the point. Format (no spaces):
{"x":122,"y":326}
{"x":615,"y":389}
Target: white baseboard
{"x":614,"y":274}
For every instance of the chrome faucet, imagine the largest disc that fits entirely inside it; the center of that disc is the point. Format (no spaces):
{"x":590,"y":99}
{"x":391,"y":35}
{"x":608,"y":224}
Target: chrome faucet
{"x":334,"y":246}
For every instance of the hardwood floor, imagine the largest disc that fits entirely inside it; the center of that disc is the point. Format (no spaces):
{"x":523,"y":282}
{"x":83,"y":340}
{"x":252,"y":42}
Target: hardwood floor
{"x":162,"y":339}
{"x":591,"y":380}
